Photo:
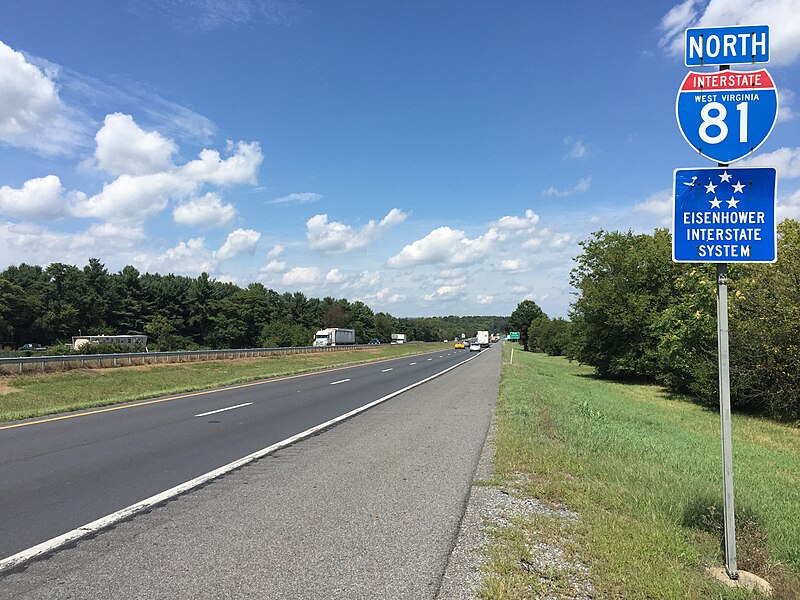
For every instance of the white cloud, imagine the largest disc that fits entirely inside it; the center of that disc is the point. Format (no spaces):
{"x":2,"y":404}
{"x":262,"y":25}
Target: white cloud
{"x":512,"y":265}
{"x":786,"y":110}
{"x":335,"y":276}
{"x":780,"y":15}
{"x":31,"y":112}
{"x":448,"y":246}
{"x":788,"y":207}
{"x":367,"y":279}
{"x":276,"y":251}
{"x":273,"y":266}
{"x":579,"y":188}
{"x":134,"y":197}
{"x":483,"y":299}
{"x":40,"y":198}
{"x":241,"y":167}
{"x":519,"y":289}
{"x":297,"y":198}
{"x":576,"y":148}
{"x":445,"y":292}
{"x":207,"y":211}
{"x":551,"y":240}
{"x":118,"y":234}
{"x":336,"y":237}
{"x":382,"y":296}
{"x":124,"y":148}
{"x":518,"y":224}
{"x":237,"y":242}
{"x":301,"y":276}
{"x":785,"y":160}
{"x":189,"y":257}
{"x":658,"y":205}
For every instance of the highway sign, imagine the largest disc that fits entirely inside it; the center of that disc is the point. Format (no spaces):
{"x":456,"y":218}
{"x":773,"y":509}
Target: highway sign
{"x":514,"y":335}
{"x":726,"y":115}
{"x":746,"y":44}
{"x":724,"y":214}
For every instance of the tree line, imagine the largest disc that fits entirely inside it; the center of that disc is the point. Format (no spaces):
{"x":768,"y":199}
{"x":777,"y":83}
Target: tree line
{"x":640,"y":316}
{"x":49,"y":305}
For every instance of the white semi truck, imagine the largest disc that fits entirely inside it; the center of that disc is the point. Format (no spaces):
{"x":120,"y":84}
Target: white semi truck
{"x":398,"y":338}
{"x":335,"y":336}
{"x":483,"y":339}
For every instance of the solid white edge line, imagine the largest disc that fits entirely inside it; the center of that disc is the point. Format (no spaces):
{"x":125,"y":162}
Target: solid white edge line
{"x":213,"y":412}
{"x":340,"y":381}
{"x":98,"y":525}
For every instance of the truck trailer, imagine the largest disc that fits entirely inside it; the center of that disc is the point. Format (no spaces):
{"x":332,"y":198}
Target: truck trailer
{"x":335,"y":336}
{"x":398,"y":338}
{"x":483,"y":339}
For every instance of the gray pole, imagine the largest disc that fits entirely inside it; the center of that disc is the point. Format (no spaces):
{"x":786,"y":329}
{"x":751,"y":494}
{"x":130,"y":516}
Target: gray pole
{"x":725,"y":420}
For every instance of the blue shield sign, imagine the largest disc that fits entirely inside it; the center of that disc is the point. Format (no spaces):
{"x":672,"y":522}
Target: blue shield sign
{"x":724,"y":215}
{"x":726,"y":115}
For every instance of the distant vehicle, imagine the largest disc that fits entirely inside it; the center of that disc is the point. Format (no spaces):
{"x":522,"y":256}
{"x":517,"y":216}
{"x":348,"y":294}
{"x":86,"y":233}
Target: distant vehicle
{"x":32,"y":348}
{"x":459,"y":345}
{"x":398,"y":338}
{"x":374,"y":342}
{"x":335,"y":336}
{"x":473,"y":347}
{"x":483,"y":339}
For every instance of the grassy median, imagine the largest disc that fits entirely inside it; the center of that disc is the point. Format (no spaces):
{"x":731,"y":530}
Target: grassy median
{"x":642,"y":470}
{"x":37,"y":395}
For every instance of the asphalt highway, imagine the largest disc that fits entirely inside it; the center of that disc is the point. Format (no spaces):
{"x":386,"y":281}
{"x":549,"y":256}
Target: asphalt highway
{"x":57,"y":474}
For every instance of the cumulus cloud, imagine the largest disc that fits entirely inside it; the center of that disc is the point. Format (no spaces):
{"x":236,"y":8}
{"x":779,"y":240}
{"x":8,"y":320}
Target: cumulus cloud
{"x":40,"y":198}
{"x":31,"y":112}
{"x":788,"y":207}
{"x":335,"y":276}
{"x":297,"y":198}
{"x":512,"y":265}
{"x":206,"y":211}
{"x":579,"y":188}
{"x":301,"y":276}
{"x":273,"y":266}
{"x":780,"y":15}
{"x":238,"y":241}
{"x":514,"y":225}
{"x":125,"y":148}
{"x":658,"y":205}
{"x":445,"y":292}
{"x":240,"y":167}
{"x":484,"y":299}
{"x":276,"y":251}
{"x":786,"y":160}
{"x":382,"y":296}
{"x":446,"y":246}
{"x":337,"y":238}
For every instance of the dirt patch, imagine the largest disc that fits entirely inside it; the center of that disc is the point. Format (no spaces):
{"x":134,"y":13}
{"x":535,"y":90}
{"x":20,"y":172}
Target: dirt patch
{"x":6,"y":388}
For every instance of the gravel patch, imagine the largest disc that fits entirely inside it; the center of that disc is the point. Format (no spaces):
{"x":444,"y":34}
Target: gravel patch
{"x":494,"y":507}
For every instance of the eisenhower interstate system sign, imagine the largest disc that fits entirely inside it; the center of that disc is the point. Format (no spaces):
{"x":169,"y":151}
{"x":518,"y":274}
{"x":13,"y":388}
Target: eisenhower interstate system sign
{"x":726,"y":115}
{"x":725,"y":215}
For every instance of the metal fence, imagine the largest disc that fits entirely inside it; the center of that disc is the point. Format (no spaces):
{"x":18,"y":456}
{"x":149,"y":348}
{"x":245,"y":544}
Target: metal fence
{"x":42,"y":364}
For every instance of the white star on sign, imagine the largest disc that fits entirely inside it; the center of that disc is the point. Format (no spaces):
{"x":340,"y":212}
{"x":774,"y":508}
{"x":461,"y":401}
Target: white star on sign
{"x":732,"y":203}
{"x":715,"y":203}
{"x":710,"y":188}
{"x":726,"y":177}
{"x":738,"y":188}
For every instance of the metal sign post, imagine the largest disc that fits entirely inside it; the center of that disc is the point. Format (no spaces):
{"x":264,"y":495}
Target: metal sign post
{"x":725,"y":420}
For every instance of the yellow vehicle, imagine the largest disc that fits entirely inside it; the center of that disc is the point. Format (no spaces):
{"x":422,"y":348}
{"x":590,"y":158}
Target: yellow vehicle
{"x":459,"y":346}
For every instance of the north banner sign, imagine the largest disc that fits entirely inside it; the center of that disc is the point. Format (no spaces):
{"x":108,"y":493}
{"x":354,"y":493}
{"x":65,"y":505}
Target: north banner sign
{"x":726,"y":115}
{"x":726,"y":45}
{"x":724,"y":215}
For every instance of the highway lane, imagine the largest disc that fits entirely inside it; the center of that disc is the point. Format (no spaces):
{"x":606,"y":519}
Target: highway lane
{"x":56,"y":475}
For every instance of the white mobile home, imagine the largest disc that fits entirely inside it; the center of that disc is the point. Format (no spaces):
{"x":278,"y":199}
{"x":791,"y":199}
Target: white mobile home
{"x":135,"y":342}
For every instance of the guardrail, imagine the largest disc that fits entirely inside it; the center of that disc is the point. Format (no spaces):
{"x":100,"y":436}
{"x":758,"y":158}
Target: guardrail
{"x":19,"y":364}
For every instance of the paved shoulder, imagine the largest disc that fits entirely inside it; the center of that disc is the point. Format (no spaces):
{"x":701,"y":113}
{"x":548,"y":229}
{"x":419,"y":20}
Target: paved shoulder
{"x":367,"y":509}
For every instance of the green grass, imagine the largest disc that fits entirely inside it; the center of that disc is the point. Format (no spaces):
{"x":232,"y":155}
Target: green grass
{"x":38,"y":395}
{"x":644,"y":472}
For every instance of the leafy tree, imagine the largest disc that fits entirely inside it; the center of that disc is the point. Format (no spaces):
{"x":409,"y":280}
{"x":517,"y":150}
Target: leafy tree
{"x":522,"y":317}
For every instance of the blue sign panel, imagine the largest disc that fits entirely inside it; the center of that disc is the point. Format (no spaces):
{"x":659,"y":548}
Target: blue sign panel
{"x":724,"y":215}
{"x":726,"y":115}
{"x":747,"y":44}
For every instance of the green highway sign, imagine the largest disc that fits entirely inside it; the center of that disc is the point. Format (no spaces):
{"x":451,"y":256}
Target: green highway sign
{"x":514,"y":335}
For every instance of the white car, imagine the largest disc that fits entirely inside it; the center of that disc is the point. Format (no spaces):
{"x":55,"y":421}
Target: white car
{"x":474,"y":347}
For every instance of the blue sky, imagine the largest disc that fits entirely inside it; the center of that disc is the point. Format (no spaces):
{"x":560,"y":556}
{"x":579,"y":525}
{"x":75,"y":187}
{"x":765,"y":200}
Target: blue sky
{"x":428,"y":158}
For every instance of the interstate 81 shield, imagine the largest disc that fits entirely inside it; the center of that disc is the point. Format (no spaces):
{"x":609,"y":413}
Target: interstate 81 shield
{"x":726,"y":115}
